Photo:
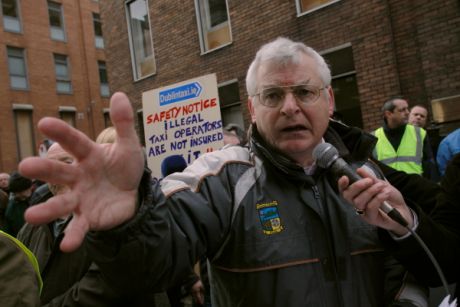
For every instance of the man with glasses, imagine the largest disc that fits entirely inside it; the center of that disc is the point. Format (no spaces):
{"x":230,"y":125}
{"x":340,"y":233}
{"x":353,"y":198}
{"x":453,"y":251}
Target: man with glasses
{"x":270,"y":221}
{"x":402,"y":146}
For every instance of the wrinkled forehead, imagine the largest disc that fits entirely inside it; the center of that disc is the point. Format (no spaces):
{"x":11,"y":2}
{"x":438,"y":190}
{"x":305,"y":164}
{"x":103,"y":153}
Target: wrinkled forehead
{"x":4,"y":176}
{"x":56,"y":152}
{"x":419,"y":110}
{"x":293,"y":70}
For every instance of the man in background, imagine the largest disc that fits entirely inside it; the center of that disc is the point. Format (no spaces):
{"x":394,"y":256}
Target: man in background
{"x":448,"y":147}
{"x":4,"y":182}
{"x":403,"y":147}
{"x":418,"y":116}
{"x":21,"y":189}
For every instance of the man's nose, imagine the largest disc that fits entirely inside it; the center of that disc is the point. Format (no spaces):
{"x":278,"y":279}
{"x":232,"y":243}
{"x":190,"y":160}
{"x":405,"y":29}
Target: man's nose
{"x":290,"y":105}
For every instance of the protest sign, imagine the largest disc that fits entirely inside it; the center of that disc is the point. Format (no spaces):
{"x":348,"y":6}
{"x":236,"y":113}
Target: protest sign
{"x":182,"y":119}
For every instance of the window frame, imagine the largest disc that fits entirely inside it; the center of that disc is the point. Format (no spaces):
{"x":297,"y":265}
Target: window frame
{"x":68,"y":110}
{"x":10,"y":74}
{"x":26,"y":109}
{"x":62,"y":20}
{"x":102,"y":84}
{"x":319,"y":7}
{"x":98,"y":39}
{"x":230,"y":106}
{"x":13,"y":20}
{"x":137,"y":76}
{"x":60,"y":79}
{"x":202,"y":32}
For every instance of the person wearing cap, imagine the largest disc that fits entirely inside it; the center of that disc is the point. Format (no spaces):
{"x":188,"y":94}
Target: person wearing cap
{"x":21,"y":189}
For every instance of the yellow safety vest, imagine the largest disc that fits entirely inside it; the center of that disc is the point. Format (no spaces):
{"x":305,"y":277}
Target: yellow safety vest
{"x":30,"y":256}
{"x":409,"y":156}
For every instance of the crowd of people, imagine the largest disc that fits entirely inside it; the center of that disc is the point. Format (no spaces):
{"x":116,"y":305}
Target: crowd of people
{"x":268,"y":225}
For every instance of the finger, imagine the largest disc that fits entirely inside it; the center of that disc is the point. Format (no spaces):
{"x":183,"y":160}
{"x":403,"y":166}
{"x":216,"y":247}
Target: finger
{"x":343,"y":183}
{"x":48,"y":170}
{"x":122,"y":117}
{"x":363,"y":172}
{"x":75,"y":233}
{"x":363,"y":199}
{"x":72,"y":140}
{"x":54,"y":208}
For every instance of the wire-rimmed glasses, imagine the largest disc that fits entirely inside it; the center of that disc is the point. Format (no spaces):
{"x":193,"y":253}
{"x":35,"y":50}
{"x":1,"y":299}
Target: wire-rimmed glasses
{"x":304,"y":93}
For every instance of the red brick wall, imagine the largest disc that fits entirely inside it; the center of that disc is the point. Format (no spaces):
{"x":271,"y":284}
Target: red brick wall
{"x":39,"y":49}
{"x":395,"y":45}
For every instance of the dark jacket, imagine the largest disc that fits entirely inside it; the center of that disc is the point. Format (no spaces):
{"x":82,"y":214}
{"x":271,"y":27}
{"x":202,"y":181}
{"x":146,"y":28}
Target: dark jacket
{"x":19,"y":282}
{"x":274,"y":235}
{"x":439,"y":227}
{"x":15,"y":215}
{"x":71,"y":279}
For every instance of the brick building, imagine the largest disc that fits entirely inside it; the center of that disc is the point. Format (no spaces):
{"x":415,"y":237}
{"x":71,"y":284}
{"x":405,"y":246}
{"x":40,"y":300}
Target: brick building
{"x":53,"y":64}
{"x":376,"y":49}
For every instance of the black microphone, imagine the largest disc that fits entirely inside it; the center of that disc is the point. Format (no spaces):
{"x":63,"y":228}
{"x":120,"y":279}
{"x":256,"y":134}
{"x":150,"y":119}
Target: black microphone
{"x":327,"y":157}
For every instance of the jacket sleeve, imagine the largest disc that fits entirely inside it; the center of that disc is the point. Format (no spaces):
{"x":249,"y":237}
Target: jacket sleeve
{"x":430,"y":169}
{"x":439,"y":230}
{"x":94,"y":290}
{"x":160,"y":245}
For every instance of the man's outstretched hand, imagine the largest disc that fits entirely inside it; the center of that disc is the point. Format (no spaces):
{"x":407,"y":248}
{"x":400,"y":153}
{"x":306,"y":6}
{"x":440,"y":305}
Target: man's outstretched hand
{"x":103,"y":180}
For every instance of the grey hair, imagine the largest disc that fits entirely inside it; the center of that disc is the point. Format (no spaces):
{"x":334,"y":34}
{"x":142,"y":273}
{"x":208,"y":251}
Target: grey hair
{"x":284,"y":51}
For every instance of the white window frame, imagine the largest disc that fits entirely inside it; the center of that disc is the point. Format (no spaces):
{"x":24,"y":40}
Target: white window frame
{"x":201,"y":31}
{"x":136,"y":74}
{"x":12,"y":24}
{"x":299,"y":7}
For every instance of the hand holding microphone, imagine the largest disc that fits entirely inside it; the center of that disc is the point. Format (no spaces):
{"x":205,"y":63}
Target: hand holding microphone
{"x":375,"y":199}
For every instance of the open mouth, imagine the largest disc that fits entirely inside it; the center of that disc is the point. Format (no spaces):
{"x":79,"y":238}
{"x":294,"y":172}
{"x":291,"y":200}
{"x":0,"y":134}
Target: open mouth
{"x":295,"y":128}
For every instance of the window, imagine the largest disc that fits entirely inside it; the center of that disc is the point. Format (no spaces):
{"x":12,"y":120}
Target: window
{"x":17,"y":68}
{"x":11,"y":19}
{"x":230,"y":103}
{"x":56,"y":21}
{"x":107,"y":120}
{"x":347,"y":104}
{"x":24,"y":130}
{"x":104,"y":83}
{"x":61,"y":66}
{"x":140,"y":41}
{"x":99,"y":40}
{"x":140,"y":126}
{"x":306,"y":6}
{"x":213,"y":24}
{"x":67,"y":114}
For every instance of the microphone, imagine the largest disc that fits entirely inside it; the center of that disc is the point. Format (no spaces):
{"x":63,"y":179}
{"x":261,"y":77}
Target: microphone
{"x":327,"y":157}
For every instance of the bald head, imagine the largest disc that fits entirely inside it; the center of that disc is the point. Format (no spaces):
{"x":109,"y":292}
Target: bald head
{"x":4,"y":179}
{"x":56,"y":152}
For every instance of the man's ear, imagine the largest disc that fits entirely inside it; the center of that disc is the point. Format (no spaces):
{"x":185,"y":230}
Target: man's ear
{"x":251,"y":110}
{"x":331,"y":100}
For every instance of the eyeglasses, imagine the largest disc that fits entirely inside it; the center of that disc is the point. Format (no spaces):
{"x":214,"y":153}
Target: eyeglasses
{"x":304,"y":93}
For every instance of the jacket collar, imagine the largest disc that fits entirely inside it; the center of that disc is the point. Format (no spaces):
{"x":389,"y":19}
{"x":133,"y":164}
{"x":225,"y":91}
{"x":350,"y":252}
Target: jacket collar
{"x":353,"y":144}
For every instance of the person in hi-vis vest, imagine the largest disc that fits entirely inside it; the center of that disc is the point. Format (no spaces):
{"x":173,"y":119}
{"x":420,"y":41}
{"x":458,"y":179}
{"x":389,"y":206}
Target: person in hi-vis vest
{"x":401,"y":145}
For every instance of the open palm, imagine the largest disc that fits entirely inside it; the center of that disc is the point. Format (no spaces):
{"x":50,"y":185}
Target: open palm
{"x":103,"y":180}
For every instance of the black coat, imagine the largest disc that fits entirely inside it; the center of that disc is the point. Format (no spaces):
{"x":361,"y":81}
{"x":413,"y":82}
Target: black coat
{"x":438,"y":210}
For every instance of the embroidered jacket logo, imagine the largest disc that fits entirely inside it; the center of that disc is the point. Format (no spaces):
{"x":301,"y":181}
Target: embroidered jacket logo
{"x":269,"y":217}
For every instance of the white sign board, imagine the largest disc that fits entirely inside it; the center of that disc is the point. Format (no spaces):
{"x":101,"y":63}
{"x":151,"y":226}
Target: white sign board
{"x":182,"y":119}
